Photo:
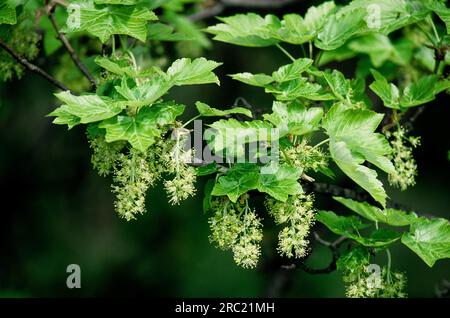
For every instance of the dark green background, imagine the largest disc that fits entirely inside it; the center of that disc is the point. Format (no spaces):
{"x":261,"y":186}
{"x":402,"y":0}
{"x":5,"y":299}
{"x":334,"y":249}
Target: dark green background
{"x":56,"y":210}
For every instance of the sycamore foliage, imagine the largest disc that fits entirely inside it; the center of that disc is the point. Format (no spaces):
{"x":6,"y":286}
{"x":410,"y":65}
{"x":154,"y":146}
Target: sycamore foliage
{"x":138,"y":136}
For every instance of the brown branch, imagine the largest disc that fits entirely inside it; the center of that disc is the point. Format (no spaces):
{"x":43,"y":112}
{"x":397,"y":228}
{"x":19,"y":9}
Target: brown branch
{"x":34,"y":68}
{"x":66,"y":43}
{"x":221,"y":5}
{"x":266,"y":4}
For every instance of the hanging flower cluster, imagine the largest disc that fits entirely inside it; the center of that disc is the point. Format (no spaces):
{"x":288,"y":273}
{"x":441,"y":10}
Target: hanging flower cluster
{"x":402,"y":158}
{"x":236,"y":227}
{"x":297,"y":214}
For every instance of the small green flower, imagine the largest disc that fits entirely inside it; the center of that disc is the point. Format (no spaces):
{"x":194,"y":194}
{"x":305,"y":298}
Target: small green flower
{"x":132,"y":178}
{"x":403,"y":159}
{"x":298,"y":214}
{"x":236,"y":227}
{"x":307,"y":157}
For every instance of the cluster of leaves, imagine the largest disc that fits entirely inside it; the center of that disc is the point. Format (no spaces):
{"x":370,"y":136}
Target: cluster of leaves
{"x":137,"y":136}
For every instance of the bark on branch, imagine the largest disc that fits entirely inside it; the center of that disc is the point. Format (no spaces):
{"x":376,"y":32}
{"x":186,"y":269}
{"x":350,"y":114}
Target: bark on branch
{"x":66,"y":43}
{"x":34,"y":68}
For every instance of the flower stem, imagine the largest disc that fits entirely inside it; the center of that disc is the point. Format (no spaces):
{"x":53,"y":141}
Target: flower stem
{"x":285,"y":52}
{"x":321,"y":143}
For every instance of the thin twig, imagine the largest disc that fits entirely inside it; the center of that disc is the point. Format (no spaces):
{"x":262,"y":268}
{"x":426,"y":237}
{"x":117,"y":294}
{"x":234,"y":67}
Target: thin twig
{"x":34,"y":68}
{"x":66,"y":43}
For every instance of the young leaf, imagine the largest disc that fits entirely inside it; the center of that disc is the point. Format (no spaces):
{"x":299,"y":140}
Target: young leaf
{"x":352,"y":167}
{"x":103,"y":21}
{"x":417,"y":93}
{"x":277,"y":181}
{"x":164,"y":32}
{"x":340,"y":86}
{"x":208,"y":111}
{"x":144,"y":94}
{"x":88,"y":108}
{"x":348,"y":226}
{"x":352,"y":260}
{"x":430,"y":239}
{"x":299,"y":88}
{"x":187,"y":72}
{"x":7,"y":13}
{"x":294,"y":118}
{"x":142,"y":130}
{"x":63,"y":117}
{"x":369,"y":16}
{"x":341,"y":225}
{"x":388,"y":92}
{"x":389,"y":216}
{"x":280,"y":181}
{"x":232,"y":135}
{"x":243,"y":29}
{"x":116,"y":67}
{"x":316,"y":17}
{"x":238,"y":180}
{"x":292,"y":71}
{"x":260,"y":80}
{"x":353,"y":140}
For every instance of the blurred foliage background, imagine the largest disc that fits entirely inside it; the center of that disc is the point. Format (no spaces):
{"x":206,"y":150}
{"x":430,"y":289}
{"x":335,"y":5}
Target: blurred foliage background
{"x":57,"y":211}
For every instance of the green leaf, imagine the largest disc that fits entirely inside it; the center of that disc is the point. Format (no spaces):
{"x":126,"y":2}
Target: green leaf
{"x":339,"y":28}
{"x":316,"y":17}
{"x":103,"y":21}
{"x":389,"y":216}
{"x":423,"y":91}
{"x":353,"y":141}
{"x":299,"y":88}
{"x":87,"y":108}
{"x":187,"y":29}
{"x":208,"y":169}
{"x":352,"y":260}
{"x":291,"y":29}
{"x":294,"y":29}
{"x":377,"y":46}
{"x":121,"y":2}
{"x":341,"y":225}
{"x":340,"y":86}
{"x":429,"y":239}
{"x":117,"y":67}
{"x":64,"y":117}
{"x":238,"y":180}
{"x":292,"y":71}
{"x":389,"y":93}
{"x":363,"y":176}
{"x":142,"y":130}
{"x":243,"y":29}
{"x":349,"y":226}
{"x":294,"y":118}
{"x":441,"y":10}
{"x":164,"y":32}
{"x":7,"y":13}
{"x":187,"y":72}
{"x":417,"y":93}
{"x":369,"y":16}
{"x":208,"y":111}
{"x":260,"y":80}
{"x":144,"y":94}
{"x":232,"y":135}
{"x":280,"y":181}
{"x":379,"y":238}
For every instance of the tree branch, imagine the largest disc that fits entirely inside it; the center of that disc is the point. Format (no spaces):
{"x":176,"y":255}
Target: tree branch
{"x":34,"y":68}
{"x":221,"y":5}
{"x":66,"y":43}
{"x":267,"y":4}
